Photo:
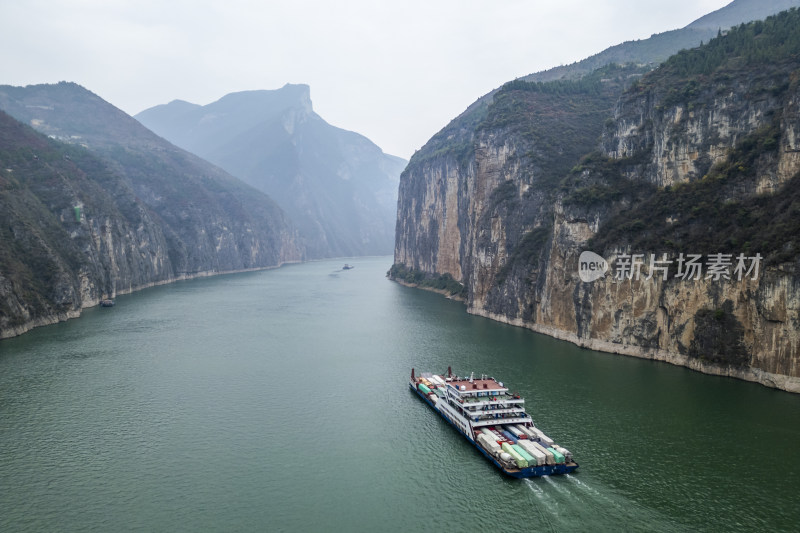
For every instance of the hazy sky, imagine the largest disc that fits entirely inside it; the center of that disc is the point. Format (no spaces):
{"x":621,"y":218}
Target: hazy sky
{"x":396,"y":72}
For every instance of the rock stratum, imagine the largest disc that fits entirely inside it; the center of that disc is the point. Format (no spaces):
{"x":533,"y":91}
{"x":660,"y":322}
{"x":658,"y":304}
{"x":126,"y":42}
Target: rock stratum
{"x":94,"y":205}
{"x":699,"y":156}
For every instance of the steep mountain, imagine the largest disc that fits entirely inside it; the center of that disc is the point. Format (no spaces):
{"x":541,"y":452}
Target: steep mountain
{"x":101,"y":206}
{"x":698,"y":157}
{"x":459,"y":134}
{"x":339,"y":188}
{"x":658,"y":47}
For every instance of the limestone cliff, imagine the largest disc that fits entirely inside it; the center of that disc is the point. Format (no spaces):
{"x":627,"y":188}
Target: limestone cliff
{"x":104,"y":207}
{"x":697,"y":157}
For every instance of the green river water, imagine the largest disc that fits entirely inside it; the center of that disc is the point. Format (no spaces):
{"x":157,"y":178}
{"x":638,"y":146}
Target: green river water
{"x":278,"y":401}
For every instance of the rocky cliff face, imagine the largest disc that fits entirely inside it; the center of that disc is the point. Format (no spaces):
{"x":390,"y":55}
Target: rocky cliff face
{"x":688,"y":164}
{"x":112,"y":210}
{"x":685,"y":130}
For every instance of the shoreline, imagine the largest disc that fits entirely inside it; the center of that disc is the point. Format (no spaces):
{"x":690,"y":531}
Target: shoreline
{"x":443,"y":292}
{"x":776,"y":381}
{"x":16,"y":331}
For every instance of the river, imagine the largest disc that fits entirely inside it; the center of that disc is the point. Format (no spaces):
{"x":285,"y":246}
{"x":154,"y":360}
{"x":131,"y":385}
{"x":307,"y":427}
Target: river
{"x":278,"y":401}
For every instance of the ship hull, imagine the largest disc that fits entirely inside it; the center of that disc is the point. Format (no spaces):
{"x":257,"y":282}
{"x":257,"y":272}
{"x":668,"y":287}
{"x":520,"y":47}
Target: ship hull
{"x":534,"y":471}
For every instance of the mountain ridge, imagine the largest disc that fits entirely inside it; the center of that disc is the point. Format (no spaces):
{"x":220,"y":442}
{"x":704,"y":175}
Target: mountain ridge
{"x":338,"y":187}
{"x":95,"y":205}
{"x":649,"y":51}
{"x":497,"y":207}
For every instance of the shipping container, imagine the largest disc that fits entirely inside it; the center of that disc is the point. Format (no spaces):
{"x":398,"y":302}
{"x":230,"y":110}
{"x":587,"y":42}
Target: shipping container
{"x":509,"y":436}
{"x":513,"y":429}
{"x":565,"y":452}
{"x":525,"y":455}
{"x":550,"y":459}
{"x":423,"y":388}
{"x":559,"y":457}
{"x":489,"y":443}
{"x":542,"y":437}
{"x":499,"y":436}
{"x":518,"y":459}
{"x":527,"y":445}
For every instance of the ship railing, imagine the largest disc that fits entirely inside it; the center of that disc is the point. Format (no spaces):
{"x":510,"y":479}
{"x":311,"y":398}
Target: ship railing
{"x":484,"y":400}
{"x":502,"y":404}
{"x":473,"y":412}
{"x":499,"y":421}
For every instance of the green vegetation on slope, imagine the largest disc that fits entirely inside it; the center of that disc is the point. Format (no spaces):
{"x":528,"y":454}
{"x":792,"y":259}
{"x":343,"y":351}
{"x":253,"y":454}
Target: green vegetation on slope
{"x":753,"y":44}
{"x":721,"y":212}
{"x":719,"y":337}
{"x":705,"y":217}
{"x":443,"y":282}
{"x":43,"y":244}
{"x":552,"y":124}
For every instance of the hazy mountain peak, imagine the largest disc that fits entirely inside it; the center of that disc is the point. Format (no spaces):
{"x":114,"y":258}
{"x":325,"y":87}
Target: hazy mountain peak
{"x":338,"y":186}
{"x":290,"y":96}
{"x":180,"y":104}
{"x":739,"y":11}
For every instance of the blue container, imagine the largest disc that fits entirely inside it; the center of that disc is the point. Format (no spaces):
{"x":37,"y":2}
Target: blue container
{"x":510,"y":436}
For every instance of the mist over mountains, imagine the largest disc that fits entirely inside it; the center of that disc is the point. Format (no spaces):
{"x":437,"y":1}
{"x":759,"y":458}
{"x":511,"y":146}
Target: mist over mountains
{"x":338,"y":187}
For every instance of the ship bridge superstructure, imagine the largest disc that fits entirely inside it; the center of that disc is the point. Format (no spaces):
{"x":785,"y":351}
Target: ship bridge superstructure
{"x":485,"y":401}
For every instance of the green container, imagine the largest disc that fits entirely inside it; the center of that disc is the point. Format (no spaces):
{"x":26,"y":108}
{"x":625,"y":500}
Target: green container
{"x":558,"y":455}
{"x":525,"y":455}
{"x":521,"y":462}
{"x":424,"y":389}
{"x":78,"y":213}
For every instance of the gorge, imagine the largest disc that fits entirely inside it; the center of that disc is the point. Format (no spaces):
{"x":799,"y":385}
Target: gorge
{"x":698,"y":156}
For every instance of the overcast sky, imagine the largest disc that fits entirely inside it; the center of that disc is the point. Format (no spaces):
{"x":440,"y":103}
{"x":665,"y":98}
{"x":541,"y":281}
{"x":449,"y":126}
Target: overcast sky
{"x":396,"y":72}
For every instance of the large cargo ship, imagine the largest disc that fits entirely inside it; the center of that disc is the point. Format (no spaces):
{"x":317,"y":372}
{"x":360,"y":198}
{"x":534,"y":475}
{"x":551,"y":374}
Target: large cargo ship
{"x":495,"y":422}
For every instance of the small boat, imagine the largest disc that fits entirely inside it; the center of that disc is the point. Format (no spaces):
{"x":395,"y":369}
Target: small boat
{"x":494,"y":420}
{"x":347,"y":267}
{"x":107,"y":302}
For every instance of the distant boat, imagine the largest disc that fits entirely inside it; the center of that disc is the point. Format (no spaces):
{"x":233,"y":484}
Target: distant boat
{"x":347,"y":267}
{"x":107,"y":303}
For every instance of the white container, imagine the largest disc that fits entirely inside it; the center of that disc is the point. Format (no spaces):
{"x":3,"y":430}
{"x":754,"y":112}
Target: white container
{"x":489,"y":443}
{"x":550,"y":459}
{"x":542,"y":437}
{"x":530,"y":447}
{"x":514,"y":431}
{"x":563,"y":451}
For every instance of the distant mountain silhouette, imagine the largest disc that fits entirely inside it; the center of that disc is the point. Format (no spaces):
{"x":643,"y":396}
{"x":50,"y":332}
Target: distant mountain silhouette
{"x":338,"y":187}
